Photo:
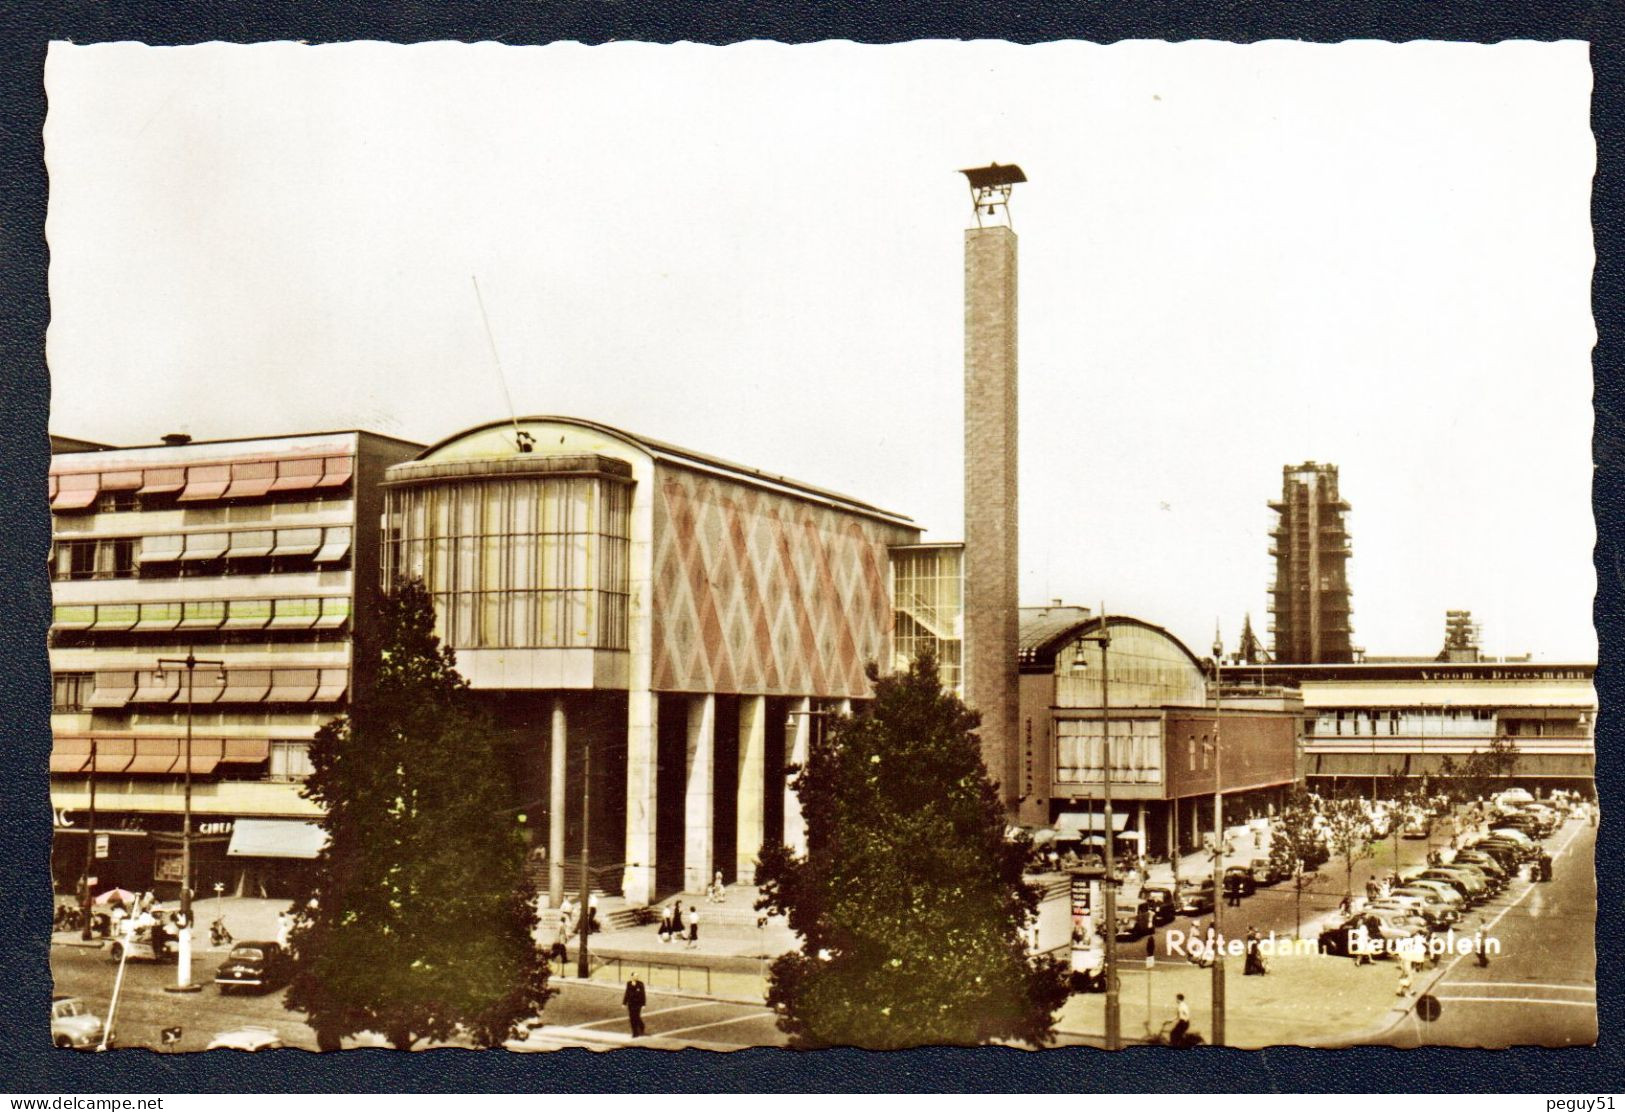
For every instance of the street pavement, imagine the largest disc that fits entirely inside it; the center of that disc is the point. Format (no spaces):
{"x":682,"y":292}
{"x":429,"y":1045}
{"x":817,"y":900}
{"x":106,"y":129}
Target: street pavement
{"x":1540,"y":990}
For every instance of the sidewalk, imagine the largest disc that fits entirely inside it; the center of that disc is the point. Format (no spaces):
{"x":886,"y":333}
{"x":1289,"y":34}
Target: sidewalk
{"x":247,"y":918}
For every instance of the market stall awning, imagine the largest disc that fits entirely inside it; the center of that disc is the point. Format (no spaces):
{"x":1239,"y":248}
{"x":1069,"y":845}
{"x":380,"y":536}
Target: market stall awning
{"x":276,"y":838}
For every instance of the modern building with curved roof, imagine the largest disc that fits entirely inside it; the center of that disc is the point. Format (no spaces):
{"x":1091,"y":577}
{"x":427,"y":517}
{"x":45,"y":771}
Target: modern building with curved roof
{"x":1172,"y":744}
{"x":686,"y":619}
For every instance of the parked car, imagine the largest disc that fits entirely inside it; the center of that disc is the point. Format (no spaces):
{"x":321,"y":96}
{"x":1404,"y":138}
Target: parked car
{"x":1448,"y":893}
{"x":1339,"y":939}
{"x":73,"y":1025}
{"x":1162,"y":903}
{"x":246,"y":1038}
{"x":1472,"y":889}
{"x":1134,"y":919}
{"x":1239,"y":879}
{"x":261,"y":966}
{"x":1434,"y":907}
{"x":1264,"y":873}
{"x":1195,"y":897}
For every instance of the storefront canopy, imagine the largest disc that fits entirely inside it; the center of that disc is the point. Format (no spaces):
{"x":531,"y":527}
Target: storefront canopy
{"x":1069,"y":824}
{"x":276,"y":838}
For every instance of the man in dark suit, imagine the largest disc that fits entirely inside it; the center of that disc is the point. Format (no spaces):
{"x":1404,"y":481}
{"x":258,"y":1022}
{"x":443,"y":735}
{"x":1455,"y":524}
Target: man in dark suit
{"x":634,"y":998}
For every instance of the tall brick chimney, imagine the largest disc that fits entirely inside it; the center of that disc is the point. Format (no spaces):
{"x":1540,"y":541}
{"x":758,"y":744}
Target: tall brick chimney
{"x":991,"y":520}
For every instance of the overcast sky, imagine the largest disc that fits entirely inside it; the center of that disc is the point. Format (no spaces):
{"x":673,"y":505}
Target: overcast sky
{"x":1232,"y":258}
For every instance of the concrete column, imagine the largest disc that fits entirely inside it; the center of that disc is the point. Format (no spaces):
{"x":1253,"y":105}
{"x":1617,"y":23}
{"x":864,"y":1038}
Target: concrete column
{"x":699,"y":819}
{"x":642,"y":760}
{"x":797,"y":738}
{"x":750,"y":822}
{"x":555,"y":805}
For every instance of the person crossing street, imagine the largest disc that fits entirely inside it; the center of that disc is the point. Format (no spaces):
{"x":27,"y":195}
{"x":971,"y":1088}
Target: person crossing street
{"x":635,"y":997}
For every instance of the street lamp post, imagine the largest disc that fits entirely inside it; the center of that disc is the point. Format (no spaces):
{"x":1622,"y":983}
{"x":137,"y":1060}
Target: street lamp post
{"x":1114,"y":1016}
{"x":1218,"y":850}
{"x":183,"y":968}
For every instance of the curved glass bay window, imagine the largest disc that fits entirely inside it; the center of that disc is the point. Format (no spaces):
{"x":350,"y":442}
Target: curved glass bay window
{"x":523,"y":558}
{"x":1149,"y":669}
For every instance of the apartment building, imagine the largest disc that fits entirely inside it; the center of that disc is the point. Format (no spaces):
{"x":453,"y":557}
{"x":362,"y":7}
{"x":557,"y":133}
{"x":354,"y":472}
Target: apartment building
{"x":259,"y":559}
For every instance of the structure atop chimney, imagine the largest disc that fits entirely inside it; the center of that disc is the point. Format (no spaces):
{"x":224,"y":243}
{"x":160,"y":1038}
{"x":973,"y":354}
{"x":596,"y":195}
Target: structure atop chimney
{"x":992,"y":616}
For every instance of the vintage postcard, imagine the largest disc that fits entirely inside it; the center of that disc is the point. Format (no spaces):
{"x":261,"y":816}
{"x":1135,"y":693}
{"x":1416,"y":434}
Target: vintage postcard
{"x":831,"y":545}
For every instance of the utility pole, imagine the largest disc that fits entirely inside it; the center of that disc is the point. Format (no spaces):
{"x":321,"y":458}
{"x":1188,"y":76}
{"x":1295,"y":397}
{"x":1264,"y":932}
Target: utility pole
{"x":1218,"y":850}
{"x":183,"y":967}
{"x":1114,"y":1017}
{"x":90,"y":849}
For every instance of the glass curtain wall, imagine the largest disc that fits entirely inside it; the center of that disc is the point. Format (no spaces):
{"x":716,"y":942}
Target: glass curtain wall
{"x":516,"y":563}
{"x":928,"y":588}
{"x":1148,"y":670}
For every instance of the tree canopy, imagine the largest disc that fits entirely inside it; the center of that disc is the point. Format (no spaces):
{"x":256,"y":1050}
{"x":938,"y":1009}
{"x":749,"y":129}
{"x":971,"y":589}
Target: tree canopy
{"x":420,"y":919}
{"x":910,"y":901}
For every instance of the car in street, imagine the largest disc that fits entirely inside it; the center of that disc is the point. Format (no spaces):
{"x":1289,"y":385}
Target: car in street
{"x":1162,"y":903}
{"x":1264,"y":873}
{"x":1448,"y":893}
{"x":1484,"y":862}
{"x":1135,"y":919}
{"x":260,"y":966}
{"x":1431,"y":916}
{"x":1434,"y":908}
{"x":1195,"y":897}
{"x":246,"y":1038}
{"x":1339,"y":939}
{"x":73,"y":1025}
{"x":141,"y":946}
{"x":1238,"y":879}
{"x":1471,"y":885}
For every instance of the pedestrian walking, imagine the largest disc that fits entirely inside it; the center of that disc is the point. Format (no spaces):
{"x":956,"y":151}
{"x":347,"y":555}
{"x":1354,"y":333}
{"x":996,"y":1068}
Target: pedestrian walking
{"x":666,"y":924}
{"x":634,"y":998}
{"x":692,"y":919}
{"x":1255,"y":955}
{"x":1182,"y":1021}
{"x":282,"y":930}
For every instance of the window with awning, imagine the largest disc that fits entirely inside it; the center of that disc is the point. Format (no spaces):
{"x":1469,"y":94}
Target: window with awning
{"x":244,"y":750}
{"x":158,"y":687}
{"x":206,"y":546}
{"x":1070,"y":824}
{"x":297,"y":542}
{"x":337,"y":471}
{"x":121,"y":480}
{"x":69,"y":755}
{"x":335,"y":611}
{"x":247,"y":613}
{"x":246,"y":685}
{"x":286,"y":838}
{"x":207,"y":684}
{"x":333,"y":685}
{"x":297,"y":474}
{"x":296,"y":613}
{"x":335,"y":545}
{"x":206,"y":753}
{"x":206,"y":614}
{"x":113,"y":754}
{"x":251,"y":480}
{"x":206,"y":483}
{"x":113,"y":689}
{"x":161,"y":549}
{"x":293,"y":685}
{"x":77,"y":492}
{"x":117,"y":615}
{"x":77,"y":616}
{"x":249,"y":543}
{"x":156,"y":755}
{"x":163,"y":480}
{"x":159,"y":615}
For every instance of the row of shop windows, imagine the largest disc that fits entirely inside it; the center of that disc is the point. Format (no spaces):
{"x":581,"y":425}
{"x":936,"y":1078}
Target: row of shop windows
{"x":176,"y":555}
{"x":1396,"y":723}
{"x":328,"y":612}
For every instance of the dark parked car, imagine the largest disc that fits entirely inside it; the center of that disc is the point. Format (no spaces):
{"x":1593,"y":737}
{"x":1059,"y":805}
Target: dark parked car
{"x":1134,"y":919}
{"x":261,"y":966}
{"x":1238,"y":879}
{"x":1264,"y":873}
{"x":1195,"y":898}
{"x":1161,"y":901}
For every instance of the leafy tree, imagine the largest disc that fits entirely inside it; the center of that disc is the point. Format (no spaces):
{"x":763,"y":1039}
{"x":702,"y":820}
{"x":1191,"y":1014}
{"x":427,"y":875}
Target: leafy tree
{"x":1296,"y":848}
{"x":910,"y":902}
{"x":1348,"y":835}
{"x":420,"y":919}
{"x":1481,"y":773}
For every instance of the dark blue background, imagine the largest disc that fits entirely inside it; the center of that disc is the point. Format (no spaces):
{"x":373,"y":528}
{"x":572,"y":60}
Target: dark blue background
{"x":27,"y":1062}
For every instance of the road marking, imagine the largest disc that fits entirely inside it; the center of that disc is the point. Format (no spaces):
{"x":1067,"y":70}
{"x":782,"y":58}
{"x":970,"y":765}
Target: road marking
{"x":1521,"y":1000}
{"x":622,"y":1019}
{"x":1521,"y":984}
{"x":718,"y":1023}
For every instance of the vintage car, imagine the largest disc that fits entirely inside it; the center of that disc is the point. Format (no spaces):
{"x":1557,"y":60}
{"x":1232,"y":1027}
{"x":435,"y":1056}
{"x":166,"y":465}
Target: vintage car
{"x":1195,"y":897}
{"x":73,"y":1025}
{"x":260,"y":966}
